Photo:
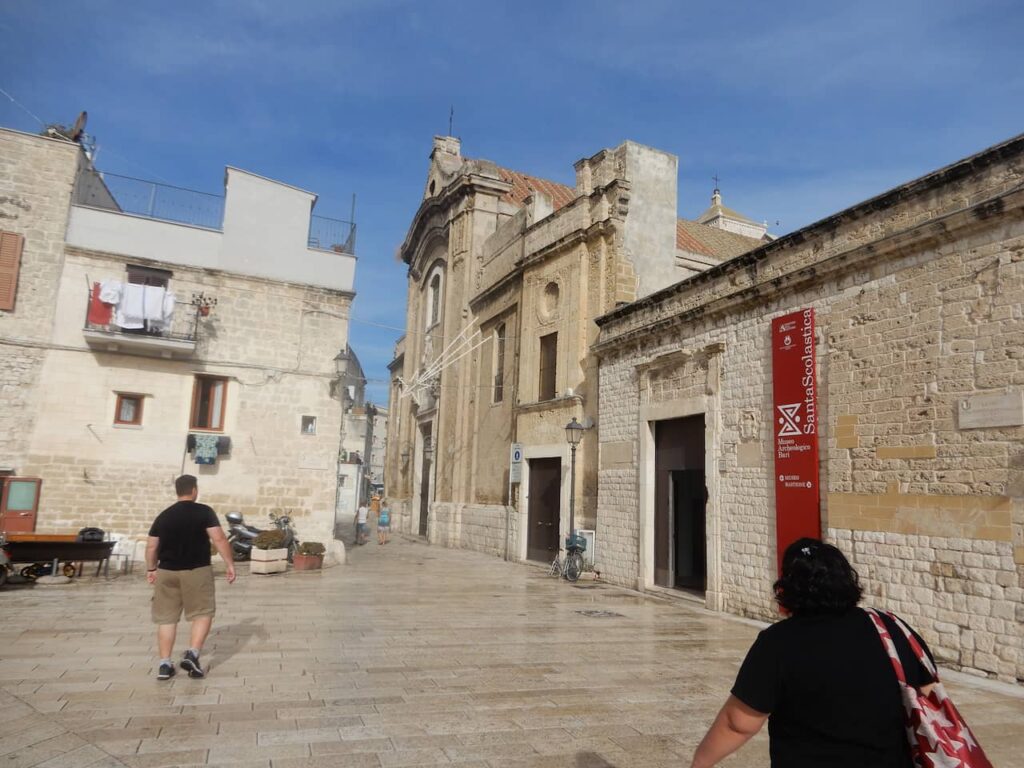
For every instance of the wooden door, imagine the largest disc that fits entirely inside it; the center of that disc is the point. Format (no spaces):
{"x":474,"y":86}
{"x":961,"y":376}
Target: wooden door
{"x":544,"y":509}
{"x":19,"y":504}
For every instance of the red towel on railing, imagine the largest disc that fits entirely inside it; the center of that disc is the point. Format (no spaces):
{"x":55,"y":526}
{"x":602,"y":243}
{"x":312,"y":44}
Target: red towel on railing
{"x":99,"y":313}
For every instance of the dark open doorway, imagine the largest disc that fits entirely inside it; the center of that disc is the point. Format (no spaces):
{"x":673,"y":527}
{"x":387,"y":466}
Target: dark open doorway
{"x":680,"y":504}
{"x":544,"y":509}
{"x":425,"y":480}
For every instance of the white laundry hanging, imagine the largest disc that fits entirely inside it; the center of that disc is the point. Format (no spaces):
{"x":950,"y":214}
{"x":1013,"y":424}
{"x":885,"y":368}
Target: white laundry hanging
{"x":130,"y":312}
{"x":153,"y":304}
{"x":110,"y":291}
{"x":168,"y":309}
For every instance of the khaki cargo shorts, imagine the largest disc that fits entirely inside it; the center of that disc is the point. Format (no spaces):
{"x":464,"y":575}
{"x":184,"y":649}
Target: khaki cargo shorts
{"x":191,"y":591}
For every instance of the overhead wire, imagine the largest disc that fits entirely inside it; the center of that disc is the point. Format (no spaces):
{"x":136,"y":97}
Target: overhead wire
{"x":25,"y":109}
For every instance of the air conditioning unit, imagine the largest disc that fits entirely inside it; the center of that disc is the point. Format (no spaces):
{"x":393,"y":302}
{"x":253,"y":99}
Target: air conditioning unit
{"x":591,"y":538}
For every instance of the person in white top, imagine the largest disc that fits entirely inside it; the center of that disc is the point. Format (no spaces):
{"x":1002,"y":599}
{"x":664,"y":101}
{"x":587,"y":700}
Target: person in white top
{"x":361,"y":530}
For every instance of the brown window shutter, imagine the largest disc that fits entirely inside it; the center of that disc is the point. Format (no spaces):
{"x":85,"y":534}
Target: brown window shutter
{"x":10,"y":259}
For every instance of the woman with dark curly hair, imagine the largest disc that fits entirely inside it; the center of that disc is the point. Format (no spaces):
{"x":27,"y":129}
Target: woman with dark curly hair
{"x":821,"y":677}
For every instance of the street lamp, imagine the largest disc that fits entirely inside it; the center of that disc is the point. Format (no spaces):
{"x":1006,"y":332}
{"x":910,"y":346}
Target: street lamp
{"x":573,"y":435}
{"x":341,"y":362}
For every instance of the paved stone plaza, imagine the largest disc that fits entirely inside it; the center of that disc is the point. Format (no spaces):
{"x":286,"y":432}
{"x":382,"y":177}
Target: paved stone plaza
{"x":409,"y":655}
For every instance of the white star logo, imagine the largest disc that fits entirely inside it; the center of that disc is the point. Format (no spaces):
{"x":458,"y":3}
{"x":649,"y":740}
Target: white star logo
{"x":965,"y":734}
{"x":941,"y":760}
{"x":928,"y":733}
{"x":934,"y":716}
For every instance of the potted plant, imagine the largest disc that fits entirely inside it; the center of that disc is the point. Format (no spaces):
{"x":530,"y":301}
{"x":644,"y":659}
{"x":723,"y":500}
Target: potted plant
{"x":310,"y":556}
{"x":269,"y":555}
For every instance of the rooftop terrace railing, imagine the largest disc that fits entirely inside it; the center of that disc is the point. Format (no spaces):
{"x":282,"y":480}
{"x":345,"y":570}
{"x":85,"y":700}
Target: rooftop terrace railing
{"x":165,"y":202}
{"x":332,"y":234}
{"x":151,"y":199}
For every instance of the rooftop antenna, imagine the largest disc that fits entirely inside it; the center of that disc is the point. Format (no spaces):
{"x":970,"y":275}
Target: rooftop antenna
{"x":451,"y":119}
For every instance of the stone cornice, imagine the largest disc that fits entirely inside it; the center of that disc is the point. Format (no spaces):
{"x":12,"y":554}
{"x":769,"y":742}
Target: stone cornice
{"x":440,"y":205}
{"x":932,"y":231}
{"x":1009,"y":150}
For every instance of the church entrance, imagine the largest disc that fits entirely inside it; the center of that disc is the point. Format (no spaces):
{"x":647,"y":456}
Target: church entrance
{"x":680,"y":504}
{"x":544,"y":509}
{"x":425,"y":479}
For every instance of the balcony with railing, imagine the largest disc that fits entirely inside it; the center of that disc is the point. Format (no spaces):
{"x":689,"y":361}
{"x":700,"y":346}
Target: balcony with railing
{"x":114,"y":328}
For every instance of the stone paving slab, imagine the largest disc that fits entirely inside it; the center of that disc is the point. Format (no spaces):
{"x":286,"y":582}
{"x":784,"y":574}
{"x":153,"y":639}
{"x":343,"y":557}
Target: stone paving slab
{"x":411,"y":655}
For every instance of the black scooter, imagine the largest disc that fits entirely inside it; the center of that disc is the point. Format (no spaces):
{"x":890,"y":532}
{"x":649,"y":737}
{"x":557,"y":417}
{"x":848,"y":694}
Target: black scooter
{"x":241,"y":535}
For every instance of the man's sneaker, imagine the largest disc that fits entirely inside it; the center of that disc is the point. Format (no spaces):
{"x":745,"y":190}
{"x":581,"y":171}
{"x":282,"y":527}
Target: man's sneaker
{"x":166,"y":672}
{"x":190,"y":663}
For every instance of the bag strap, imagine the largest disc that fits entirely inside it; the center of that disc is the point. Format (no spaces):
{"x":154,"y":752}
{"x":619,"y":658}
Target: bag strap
{"x":922,"y":657}
{"x":888,"y":644}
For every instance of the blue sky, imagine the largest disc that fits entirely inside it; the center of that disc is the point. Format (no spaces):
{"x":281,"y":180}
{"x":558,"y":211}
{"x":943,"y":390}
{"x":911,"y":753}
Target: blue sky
{"x":801,"y":108}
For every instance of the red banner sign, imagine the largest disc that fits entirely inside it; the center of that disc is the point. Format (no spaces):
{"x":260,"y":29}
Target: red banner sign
{"x":795,"y":425}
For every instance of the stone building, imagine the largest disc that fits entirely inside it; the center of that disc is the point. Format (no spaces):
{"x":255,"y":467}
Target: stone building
{"x":226,"y":369}
{"x":506,"y":274}
{"x":916,"y":297}
{"x":361,"y":464}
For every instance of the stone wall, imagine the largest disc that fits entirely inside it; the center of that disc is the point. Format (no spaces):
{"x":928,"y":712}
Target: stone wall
{"x":478,"y":527}
{"x":917,"y":297}
{"x":274,"y":342}
{"x":37,"y":176}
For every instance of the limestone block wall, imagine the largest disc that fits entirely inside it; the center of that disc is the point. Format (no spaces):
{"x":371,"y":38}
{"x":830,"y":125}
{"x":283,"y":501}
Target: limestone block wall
{"x":274,"y":342}
{"x":480,"y":527}
{"x":965,"y":593}
{"x":915,"y":318}
{"x":37,"y":176}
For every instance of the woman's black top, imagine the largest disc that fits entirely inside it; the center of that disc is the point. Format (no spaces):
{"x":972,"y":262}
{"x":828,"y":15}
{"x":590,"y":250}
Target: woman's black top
{"x":831,"y":691}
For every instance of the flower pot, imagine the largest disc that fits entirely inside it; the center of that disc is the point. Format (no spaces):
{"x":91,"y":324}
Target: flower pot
{"x":269,"y":561}
{"x":307,"y":562}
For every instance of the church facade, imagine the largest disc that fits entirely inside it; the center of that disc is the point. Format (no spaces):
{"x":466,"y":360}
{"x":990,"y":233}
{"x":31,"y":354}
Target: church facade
{"x":507,"y":272}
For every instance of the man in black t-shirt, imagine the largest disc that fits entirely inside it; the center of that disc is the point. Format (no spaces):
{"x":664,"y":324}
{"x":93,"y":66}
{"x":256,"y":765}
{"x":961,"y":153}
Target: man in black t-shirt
{"x":178,"y":565}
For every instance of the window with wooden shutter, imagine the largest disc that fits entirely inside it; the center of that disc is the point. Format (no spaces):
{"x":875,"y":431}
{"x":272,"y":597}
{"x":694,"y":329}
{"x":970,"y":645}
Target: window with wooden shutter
{"x":10,"y":259}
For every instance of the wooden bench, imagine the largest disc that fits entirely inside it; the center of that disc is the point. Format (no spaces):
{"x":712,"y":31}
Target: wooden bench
{"x":45,"y":548}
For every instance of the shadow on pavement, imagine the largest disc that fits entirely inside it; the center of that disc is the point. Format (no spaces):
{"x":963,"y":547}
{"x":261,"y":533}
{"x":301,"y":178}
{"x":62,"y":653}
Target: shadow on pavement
{"x":229,"y":639}
{"x":591,"y":760}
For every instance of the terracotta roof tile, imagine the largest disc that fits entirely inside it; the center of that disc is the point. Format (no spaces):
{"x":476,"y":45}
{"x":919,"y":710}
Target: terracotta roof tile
{"x":687,"y":242}
{"x":523,"y":186}
{"x":712,"y":241}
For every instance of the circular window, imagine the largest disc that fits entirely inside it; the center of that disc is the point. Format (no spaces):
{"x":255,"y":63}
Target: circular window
{"x":549,"y":302}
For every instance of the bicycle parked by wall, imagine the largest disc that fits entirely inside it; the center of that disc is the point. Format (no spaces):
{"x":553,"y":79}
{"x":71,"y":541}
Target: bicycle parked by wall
{"x":571,"y":566}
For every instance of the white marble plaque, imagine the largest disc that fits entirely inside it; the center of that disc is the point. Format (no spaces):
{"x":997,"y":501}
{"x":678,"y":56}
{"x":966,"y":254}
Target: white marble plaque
{"x":1000,"y":409}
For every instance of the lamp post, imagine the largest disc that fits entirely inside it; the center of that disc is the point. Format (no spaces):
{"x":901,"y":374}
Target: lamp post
{"x":573,"y":435}
{"x":341,"y":363}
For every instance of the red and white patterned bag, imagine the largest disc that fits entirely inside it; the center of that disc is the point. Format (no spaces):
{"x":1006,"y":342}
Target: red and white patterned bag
{"x":938,"y":735}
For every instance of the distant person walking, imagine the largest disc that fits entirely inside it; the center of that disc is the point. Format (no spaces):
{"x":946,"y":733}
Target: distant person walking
{"x":178,"y":565}
{"x":383,"y":522}
{"x":361,"y":531}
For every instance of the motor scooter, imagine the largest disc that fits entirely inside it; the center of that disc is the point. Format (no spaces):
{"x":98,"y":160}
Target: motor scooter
{"x":241,"y":535}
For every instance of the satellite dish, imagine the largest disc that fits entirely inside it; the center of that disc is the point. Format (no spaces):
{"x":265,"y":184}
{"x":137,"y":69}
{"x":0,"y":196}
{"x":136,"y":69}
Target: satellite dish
{"x":79,"y":129}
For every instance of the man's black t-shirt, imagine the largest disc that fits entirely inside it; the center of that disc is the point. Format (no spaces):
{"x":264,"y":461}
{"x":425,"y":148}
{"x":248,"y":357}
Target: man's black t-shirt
{"x":184,"y":543}
{"x":831,"y":691}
